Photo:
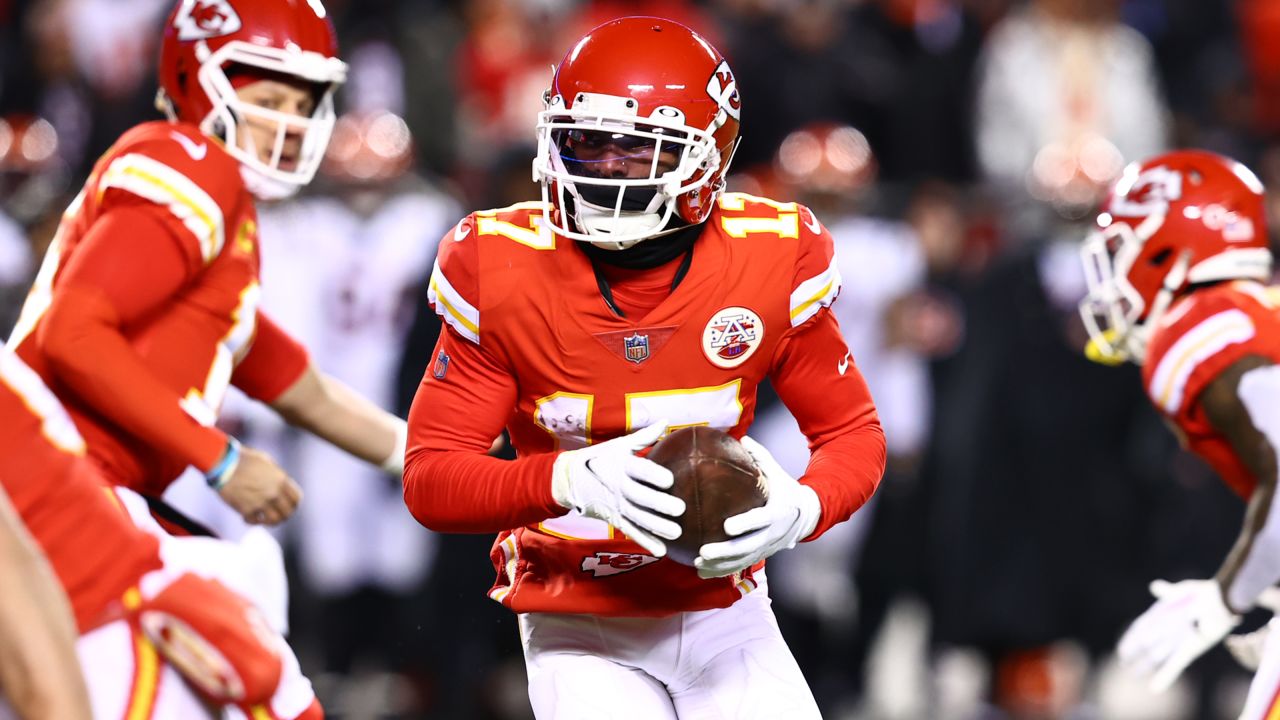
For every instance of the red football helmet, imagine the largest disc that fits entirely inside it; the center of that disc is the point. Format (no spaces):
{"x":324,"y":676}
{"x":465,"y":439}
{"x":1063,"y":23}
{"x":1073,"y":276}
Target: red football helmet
{"x":1170,"y":222}
{"x":635,"y":92}
{"x":289,"y":38}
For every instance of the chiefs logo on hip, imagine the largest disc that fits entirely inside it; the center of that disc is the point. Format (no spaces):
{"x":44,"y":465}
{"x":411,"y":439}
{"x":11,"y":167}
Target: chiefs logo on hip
{"x":732,"y":336}
{"x":612,"y":563}
{"x":204,"y":19}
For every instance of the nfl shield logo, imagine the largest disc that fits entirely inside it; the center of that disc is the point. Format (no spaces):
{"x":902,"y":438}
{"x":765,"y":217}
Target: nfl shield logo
{"x":442,"y":365}
{"x":636,"y":348}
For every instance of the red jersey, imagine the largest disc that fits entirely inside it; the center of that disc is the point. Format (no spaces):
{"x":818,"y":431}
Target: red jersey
{"x":532,"y":345}
{"x":93,"y":546}
{"x":1201,"y":335}
{"x":147,"y":302}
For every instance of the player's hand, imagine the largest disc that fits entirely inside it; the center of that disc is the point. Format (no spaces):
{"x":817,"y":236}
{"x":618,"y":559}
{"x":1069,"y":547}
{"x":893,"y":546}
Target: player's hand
{"x":259,"y":490}
{"x":1247,"y":649}
{"x":786,"y":518}
{"x":1188,"y":618}
{"x":610,"y":482}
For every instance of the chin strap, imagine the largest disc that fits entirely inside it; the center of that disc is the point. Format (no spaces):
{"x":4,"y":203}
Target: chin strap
{"x":265,"y":188}
{"x":164,"y":104}
{"x":1173,"y":282}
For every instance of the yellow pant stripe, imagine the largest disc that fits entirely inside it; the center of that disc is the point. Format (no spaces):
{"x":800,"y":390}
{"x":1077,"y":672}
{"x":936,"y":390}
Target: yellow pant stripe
{"x":146,"y":678}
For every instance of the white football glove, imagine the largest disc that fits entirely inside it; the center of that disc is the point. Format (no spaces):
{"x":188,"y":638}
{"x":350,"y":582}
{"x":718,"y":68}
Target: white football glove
{"x":1247,"y":649}
{"x":787,"y":517}
{"x":610,"y":483}
{"x":1188,"y":618}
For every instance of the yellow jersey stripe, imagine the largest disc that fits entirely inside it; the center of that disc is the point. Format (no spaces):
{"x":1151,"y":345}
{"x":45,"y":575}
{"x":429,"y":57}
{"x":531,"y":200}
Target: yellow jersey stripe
{"x":161,"y":184}
{"x":1209,"y":337}
{"x":826,"y":289}
{"x":815,"y":293}
{"x":454,"y":312}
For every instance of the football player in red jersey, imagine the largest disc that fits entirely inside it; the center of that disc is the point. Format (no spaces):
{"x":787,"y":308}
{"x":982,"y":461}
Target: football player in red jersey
{"x":161,"y":635}
{"x":145,"y":308}
{"x":637,"y":298}
{"x":1177,"y":272}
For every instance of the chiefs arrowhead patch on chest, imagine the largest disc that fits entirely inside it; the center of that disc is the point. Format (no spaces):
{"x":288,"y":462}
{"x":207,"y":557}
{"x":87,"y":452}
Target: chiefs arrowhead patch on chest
{"x":732,"y":335}
{"x":612,"y":563}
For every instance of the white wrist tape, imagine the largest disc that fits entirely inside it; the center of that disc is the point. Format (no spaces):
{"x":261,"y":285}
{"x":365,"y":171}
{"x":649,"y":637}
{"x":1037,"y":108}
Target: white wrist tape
{"x":394,"y":463}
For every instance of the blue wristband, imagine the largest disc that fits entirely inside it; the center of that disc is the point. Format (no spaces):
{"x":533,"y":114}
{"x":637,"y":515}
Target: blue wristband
{"x":218,"y":474}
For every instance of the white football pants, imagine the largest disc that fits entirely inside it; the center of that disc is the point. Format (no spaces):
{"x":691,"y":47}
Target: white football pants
{"x":1263,"y":702}
{"x":725,"y":664}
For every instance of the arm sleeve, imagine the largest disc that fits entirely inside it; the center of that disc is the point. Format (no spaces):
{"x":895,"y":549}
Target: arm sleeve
{"x":192,"y":195}
{"x":1260,"y":566}
{"x":816,"y":379}
{"x":1209,"y":339}
{"x":275,"y":362}
{"x":128,"y":265}
{"x":816,"y":282}
{"x":450,"y":483}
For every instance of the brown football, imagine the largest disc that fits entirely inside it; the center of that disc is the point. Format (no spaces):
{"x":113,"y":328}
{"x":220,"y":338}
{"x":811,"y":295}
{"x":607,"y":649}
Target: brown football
{"x":716,"y":478}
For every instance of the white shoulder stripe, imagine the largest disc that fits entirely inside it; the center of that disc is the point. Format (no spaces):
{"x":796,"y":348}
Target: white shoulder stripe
{"x":1257,"y":291}
{"x":153,"y":180}
{"x":1168,"y":382}
{"x":452,"y":307}
{"x":55,"y":423}
{"x":814,"y":294}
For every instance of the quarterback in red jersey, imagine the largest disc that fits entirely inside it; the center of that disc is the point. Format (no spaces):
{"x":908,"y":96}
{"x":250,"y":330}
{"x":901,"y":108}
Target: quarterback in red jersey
{"x":637,"y":298}
{"x":159,"y":637}
{"x":145,"y":308}
{"x":1176,"y":273}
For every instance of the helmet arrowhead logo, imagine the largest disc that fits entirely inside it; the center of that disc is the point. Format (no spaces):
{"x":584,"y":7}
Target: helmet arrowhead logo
{"x":723,"y":88}
{"x":204,"y":19}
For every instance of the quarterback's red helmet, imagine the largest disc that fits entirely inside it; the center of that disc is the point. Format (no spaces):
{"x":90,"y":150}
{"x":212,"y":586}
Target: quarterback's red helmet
{"x":1170,"y":222}
{"x":660,"y":95}
{"x":276,"y":38}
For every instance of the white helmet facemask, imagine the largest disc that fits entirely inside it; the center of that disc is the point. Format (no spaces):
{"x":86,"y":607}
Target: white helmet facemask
{"x":588,"y":161}
{"x":1112,"y":307}
{"x":267,"y":180}
{"x":1113,"y":311}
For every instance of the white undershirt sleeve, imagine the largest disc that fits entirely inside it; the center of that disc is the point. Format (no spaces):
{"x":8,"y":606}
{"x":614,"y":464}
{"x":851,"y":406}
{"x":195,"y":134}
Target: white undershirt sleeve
{"x":1259,"y":391}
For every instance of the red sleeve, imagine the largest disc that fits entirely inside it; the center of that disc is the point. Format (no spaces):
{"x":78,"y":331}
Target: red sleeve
{"x":815,"y":377}
{"x":1215,"y":328}
{"x":274,"y":363}
{"x":450,"y":483}
{"x":192,"y":188}
{"x":816,"y":281}
{"x":126,"y":267}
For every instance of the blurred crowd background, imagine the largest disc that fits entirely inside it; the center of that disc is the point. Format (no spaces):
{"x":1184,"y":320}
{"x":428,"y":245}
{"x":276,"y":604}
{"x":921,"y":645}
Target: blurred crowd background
{"x":954,"y":148}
